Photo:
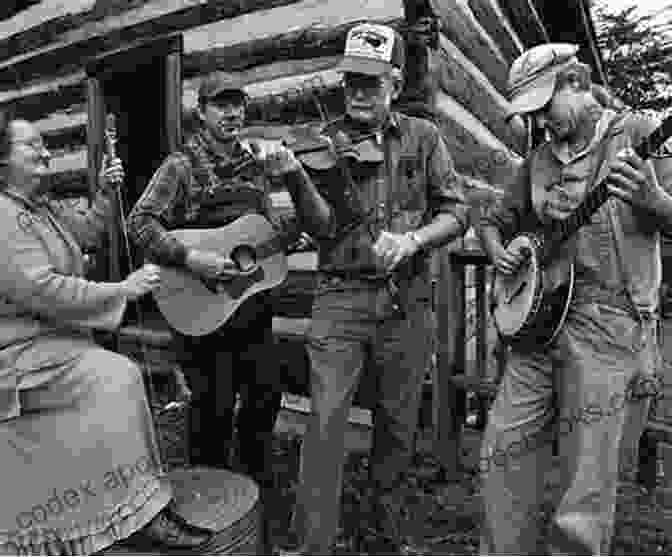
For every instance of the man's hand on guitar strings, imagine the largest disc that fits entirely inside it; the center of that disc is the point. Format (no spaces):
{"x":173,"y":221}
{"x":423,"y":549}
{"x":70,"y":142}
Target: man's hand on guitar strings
{"x":111,"y":173}
{"x":211,"y":265}
{"x":143,"y":281}
{"x":632,"y":180}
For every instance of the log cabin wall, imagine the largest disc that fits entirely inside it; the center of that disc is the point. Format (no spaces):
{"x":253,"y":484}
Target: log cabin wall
{"x":286,"y":51}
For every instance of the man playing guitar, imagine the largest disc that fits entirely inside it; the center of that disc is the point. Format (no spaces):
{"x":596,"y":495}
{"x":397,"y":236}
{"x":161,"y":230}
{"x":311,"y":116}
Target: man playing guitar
{"x":204,"y":187}
{"x":588,"y":376}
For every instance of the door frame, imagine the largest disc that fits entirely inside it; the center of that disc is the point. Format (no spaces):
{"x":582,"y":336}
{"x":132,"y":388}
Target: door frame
{"x":170,"y":48}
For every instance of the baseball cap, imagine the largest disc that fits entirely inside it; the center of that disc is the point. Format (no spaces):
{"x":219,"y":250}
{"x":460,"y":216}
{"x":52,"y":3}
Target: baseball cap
{"x":533,"y":75}
{"x":220,"y":82}
{"x":372,"y":49}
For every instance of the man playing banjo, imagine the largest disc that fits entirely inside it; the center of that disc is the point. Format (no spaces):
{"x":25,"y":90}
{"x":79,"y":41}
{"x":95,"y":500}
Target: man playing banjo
{"x":588,"y":379}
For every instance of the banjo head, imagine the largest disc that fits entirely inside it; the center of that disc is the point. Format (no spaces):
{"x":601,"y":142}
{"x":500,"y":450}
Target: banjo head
{"x":515,"y":296}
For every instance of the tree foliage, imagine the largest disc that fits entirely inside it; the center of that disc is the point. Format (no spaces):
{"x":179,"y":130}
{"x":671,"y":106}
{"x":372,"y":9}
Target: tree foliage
{"x":637,"y":58}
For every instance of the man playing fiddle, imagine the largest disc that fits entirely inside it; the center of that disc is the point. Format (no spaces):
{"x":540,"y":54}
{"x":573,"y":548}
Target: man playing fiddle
{"x":375,"y":219}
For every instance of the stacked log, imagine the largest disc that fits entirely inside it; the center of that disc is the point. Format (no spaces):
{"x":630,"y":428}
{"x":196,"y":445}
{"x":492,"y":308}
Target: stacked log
{"x":494,"y":20}
{"x":477,"y":43}
{"x":461,"y":79}
{"x":526,"y":20}
{"x":460,"y":25}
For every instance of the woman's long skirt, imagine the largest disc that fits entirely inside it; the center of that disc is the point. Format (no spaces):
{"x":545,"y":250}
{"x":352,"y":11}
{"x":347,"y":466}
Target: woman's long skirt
{"x":79,"y":464}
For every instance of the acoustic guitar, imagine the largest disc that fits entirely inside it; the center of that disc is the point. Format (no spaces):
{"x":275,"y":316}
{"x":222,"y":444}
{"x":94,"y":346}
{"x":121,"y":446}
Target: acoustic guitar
{"x":530,"y":306}
{"x":195,"y":306}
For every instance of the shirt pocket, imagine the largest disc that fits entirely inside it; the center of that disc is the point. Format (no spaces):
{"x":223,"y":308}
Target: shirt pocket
{"x":412,"y":191}
{"x":409,"y":205}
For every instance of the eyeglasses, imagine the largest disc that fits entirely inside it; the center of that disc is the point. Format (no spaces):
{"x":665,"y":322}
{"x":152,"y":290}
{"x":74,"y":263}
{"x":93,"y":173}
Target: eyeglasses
{"x":228,"y":101}
{"x":361,"y":82}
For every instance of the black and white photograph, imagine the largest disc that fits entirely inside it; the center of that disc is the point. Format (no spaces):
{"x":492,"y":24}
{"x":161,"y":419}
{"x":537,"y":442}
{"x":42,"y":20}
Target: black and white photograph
{"x":335,"y":277}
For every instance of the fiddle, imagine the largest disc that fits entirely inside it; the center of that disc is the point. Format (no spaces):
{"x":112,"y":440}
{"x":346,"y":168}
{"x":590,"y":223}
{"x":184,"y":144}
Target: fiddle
{"x":322,"y":152}
{"x":363,"y":148}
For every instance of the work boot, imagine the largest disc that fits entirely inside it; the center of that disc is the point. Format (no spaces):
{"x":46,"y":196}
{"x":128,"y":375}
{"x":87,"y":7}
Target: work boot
{"x":168,"y":531}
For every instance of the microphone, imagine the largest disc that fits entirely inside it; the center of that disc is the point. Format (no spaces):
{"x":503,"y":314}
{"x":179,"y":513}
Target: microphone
{"x":111,"y":135}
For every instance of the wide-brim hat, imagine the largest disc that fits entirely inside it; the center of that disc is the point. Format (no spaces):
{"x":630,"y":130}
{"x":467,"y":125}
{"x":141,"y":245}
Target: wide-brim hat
{"x":533,"y":75}
{"x":372,"y":49}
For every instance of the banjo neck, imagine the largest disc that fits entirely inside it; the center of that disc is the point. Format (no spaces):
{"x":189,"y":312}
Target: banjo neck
{"x":560,"y":231}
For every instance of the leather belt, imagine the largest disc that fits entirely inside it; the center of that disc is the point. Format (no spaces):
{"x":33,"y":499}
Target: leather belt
{"x":355,"y":274}
{"x":409,"y":270}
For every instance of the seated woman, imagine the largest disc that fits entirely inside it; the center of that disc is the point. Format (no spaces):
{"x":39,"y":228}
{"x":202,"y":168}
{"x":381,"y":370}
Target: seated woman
{"x":79,"y":466}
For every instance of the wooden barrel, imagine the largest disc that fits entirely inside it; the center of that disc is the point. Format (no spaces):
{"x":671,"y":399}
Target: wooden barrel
{"x":225,"y":502}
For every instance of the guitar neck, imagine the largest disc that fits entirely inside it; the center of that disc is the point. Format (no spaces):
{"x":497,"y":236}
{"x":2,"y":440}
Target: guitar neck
{"x":561,"y":231}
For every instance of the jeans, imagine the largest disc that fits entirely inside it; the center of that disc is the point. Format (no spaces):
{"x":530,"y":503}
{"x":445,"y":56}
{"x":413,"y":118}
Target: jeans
{"x":236,"y":359}
{"x":355,"y":324}
{"x":578,"y":393}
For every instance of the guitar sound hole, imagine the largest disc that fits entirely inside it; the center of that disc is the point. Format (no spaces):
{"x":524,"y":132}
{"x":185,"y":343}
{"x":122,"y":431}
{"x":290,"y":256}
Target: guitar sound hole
{"x":244,"y":257}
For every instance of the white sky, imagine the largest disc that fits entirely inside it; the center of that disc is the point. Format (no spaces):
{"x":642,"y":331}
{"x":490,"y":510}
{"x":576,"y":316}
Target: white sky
{"x":662,"y":9}
{"x":644,"y":7}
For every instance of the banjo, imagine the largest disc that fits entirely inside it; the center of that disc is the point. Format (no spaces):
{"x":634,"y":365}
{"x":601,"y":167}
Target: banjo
{"x":530,"y":306}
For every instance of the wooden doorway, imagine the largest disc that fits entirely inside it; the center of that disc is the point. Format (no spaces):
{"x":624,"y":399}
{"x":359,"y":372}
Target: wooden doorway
{"x":142,"y":86}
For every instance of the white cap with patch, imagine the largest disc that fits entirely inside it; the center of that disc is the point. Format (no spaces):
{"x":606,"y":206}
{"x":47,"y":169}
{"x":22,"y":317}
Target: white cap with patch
{"x":372,"y":49}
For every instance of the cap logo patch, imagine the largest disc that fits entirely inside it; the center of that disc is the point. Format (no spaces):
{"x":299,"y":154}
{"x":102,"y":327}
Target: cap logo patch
{"x":370,"y":42}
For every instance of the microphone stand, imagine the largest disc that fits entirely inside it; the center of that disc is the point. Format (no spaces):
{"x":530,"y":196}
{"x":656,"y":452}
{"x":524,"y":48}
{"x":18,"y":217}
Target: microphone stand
{"x":183,"y":393}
